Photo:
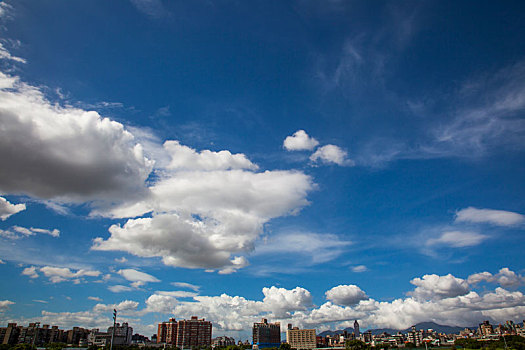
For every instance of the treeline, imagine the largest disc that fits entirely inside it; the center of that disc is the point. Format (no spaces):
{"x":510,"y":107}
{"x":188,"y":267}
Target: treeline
{"x":514,"y":342}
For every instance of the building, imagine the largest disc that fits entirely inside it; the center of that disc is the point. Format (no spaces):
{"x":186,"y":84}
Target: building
{"x":185,"y":333}
{"x":73,"y":336}
{"x":98,"y":338}
{"x":122,"y":334}
{"x":356,"y":330}
{"x":414,"y":336}
{"x":221,"y":342}
{"x":301,"y":339}
{"x":139,"y":339}
{"x":167,"y":332}
{"x":9,"y":334}
{"x":266,"y":335}
{"x":485,"y":329}
{"x":366,"y":336}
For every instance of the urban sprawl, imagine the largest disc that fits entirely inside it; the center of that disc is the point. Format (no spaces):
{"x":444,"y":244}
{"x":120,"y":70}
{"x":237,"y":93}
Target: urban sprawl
{"x":197,"y":333}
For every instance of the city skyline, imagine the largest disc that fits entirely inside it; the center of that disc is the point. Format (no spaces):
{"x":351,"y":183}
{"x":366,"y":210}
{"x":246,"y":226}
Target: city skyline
{"x":307,"y":162}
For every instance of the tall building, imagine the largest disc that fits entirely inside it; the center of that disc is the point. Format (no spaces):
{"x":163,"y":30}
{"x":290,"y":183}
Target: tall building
{"x":122,"y":334}
{"x":185,"y":333}
{"x":485,"y":328}
{"x":266,"y":335}
{"x":301,"y":339}
{"x":356,"y":330}
{"x":10,"y":333}
{"x":414,"y":336}
{"x":167,"y":332}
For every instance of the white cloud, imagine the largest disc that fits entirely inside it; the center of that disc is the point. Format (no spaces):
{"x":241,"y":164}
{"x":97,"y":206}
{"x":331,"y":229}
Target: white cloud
{"x":281,"y":301}
{"x":4,"y":305}
{"x":479,"y":277}
{"x":74,"y":155}
{"x":4,"y":53}
{"x":123,"y":306}
{"x":438,"y":287}
{"x":161,"y":303}
{"x":121,"y":260}
{"x":320,"y":247}
{"x":7,"y":209}
{"x":186,"y":285}
{"x":118,"y":288}
{"x":331,"y":154}
{"x":508,"y":278}
{"x":4,"y":9}
{"x":491,"y":216}
{"x":300,"y":141}
{"x":30,"y":271}
{"x":137,"y":276}
{"x":347,"y":295}
{"x":17,"y":232}
{"x":61,"y":274}
{"x":359,"y":268}
{"x":441,"y":299}
{"x":178,"y":293}
{"x":95,"y":298}
{"x":457,"y":239}
{"x":206,"y":219}
{"x":186,"y":158}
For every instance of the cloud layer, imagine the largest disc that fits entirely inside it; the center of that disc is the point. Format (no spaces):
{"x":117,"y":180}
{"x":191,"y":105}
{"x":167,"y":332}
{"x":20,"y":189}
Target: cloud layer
{"x":443,"y":299}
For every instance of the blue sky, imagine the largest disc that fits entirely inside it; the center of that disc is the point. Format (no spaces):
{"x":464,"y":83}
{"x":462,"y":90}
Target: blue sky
{"x":312,"y":162}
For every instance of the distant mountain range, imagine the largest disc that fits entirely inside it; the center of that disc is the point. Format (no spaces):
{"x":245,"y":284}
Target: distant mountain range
{"x":423,"y":325}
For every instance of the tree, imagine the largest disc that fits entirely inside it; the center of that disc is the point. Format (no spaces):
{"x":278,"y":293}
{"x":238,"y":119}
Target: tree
{"x":468,"y":343}
{"x":355,"y":345}
{"x":285,"y":346}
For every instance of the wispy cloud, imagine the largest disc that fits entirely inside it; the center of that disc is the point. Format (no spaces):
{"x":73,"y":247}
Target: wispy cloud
{"x":151,"y":8}
{"x":490,"y":216}
{"x":318,"y":247}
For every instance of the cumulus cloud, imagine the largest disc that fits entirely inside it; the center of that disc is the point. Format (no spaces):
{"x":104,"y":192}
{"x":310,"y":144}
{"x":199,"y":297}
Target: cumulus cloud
{"x":95,"y":298}
{"x":490,"y":216}
{"x":123,"y":306}
{"x":457,"y":239}
{"x":59,"y":274}
{"x":64,"y":153}
{"x":137,"y":277}
{"x":331,"y":154}
{"x":441,"y":299}
{"x":508,"y":278}
{"x":347,"y":295}
{"x":7,"y":209}
{"x":505,"y":277}
{"x":300,"y":141}
{"x":162,"y":303}
{"x":438,"y":287}
{"x":479,"y":277}
{"x":31,"y":272}
{"x":207,"y":218}
{"x":281,"y":301}
{"x":186,"y":158}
